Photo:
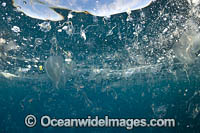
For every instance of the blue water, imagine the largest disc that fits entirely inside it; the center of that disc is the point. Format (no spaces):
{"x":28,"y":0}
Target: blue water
{"x":173,"y":87}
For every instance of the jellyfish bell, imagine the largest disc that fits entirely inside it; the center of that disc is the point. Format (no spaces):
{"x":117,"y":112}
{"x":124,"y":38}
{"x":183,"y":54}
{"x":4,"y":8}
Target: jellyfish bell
{"x":54,"y":68}
{"x":44,"y":9}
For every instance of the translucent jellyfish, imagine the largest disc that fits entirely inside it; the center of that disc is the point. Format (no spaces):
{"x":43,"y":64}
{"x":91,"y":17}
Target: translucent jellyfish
{"x":11,"y":45}
{"x":38,"y":41}
{"x":193,"y":2}
{"x":188,"y":47}
{"x":44,"y":9}
{"x":54,"y":69}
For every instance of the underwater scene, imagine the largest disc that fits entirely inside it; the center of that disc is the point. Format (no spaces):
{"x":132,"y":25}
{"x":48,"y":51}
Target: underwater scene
{"x":100,"y":66}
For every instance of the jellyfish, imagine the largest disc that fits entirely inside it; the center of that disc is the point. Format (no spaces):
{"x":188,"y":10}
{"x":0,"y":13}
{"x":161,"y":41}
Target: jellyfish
{"x":188,"y":47}
{"x":54,"y":69}
{"x":44,"y":9}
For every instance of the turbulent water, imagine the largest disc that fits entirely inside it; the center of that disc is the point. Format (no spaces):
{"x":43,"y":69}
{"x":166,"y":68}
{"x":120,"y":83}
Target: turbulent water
{"x":139,"y":64}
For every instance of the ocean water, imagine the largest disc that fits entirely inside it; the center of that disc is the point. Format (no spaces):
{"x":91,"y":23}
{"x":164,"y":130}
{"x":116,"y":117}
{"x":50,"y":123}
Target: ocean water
{"x":141,"y":65}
